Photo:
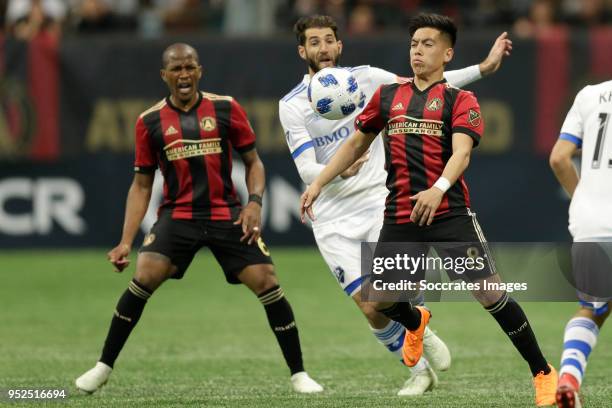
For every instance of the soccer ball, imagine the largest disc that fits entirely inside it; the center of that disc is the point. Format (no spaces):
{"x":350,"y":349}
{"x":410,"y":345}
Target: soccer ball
{"x":334,"y":93}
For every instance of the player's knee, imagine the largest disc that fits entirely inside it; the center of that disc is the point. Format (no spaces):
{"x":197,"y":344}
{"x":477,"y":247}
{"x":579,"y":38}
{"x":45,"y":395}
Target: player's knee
{"x":153,"y":269}
{"x":259,"y":278}
{"x":597,"y":313}
{"x":374,"y":317}
{"x":601,"y":318}
{"x":368,"y":309}
{"x":487,"y":297}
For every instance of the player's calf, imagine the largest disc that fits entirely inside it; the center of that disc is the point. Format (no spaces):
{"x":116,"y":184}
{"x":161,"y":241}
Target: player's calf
{"x":282,"y":322}
{"x":513,"y":321}
{"x":126,"y":316}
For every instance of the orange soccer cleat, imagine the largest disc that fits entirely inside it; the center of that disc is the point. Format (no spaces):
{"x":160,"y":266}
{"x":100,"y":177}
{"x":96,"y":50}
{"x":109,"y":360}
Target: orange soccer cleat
{"x":545,"y":387}
{"x":413,"y":341}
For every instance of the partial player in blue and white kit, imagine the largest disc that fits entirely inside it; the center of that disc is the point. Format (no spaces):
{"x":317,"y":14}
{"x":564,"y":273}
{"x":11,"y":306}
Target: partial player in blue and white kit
{"x":350,"y":210}
{"x":588,"y":126}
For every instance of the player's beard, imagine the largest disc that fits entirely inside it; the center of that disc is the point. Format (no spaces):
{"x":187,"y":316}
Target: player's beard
{"x":315,"y":68}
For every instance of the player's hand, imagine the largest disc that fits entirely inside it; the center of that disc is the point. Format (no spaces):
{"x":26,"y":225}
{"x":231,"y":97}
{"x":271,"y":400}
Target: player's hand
{"x":118,"y":257}
{"x":306,"y":201}
{"x":355,"y":167}
{"x":425,"y":206}
{"x":501,"y":48}
{"x":250,"y":218}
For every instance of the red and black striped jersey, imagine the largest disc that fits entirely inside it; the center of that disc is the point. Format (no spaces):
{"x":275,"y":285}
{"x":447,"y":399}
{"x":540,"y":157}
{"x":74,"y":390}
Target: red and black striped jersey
{"x":193,"y":150}
{"x":417,"y":128}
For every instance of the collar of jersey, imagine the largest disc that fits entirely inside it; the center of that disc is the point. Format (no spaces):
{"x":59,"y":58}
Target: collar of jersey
{"x":195,"y":105}
{"x":417,"y":90}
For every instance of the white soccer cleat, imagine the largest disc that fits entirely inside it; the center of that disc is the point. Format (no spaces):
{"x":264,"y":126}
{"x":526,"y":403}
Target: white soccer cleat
{"x":419,"y":383}
{"x":303,"y":384}
{"x":435,"y":351}
{"x":93,"y":379}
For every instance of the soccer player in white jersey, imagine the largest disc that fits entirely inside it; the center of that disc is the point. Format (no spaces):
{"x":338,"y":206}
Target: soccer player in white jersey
{"x":350,"y":210}
{"x":588,"y":127}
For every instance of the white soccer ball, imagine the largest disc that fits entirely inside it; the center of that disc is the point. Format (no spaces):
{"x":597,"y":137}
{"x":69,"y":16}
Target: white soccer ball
{"x":334,"y":93}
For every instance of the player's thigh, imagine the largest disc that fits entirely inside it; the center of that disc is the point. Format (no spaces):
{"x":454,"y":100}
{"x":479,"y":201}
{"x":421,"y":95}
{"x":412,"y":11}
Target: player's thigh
{"x":398,"y":260}
{"x":592,"y":271}
{"x":168,"y":248}
{"x":461,"y":239}
{"x":241,"y":262}
{"x":342,"y":254}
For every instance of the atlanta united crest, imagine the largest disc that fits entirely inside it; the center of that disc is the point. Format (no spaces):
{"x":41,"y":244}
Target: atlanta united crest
{"x":474,"y":118}
{"x":208,"y":123}
{"x":434,"y":104}
{"x":148,"y":239}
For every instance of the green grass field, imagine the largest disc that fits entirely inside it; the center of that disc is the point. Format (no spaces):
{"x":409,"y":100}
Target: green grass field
{"x":202,"y":342}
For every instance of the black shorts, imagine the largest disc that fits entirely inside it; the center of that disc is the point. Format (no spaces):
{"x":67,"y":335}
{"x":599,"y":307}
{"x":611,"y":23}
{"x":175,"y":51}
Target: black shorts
{"x":180,"y":240}
{"x":455,"y":238}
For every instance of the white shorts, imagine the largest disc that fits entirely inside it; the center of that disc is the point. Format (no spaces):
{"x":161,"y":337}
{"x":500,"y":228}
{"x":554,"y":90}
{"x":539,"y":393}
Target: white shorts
{"x":592,"y":272}
{"x":340,"y":244}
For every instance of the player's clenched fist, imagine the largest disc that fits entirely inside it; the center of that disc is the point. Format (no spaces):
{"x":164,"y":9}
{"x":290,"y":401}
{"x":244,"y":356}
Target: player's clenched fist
{"x":118,"y":257}
{"x":307,"y":200}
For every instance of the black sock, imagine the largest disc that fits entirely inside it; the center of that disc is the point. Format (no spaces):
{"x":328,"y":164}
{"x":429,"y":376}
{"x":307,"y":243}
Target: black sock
{"x":404,"y":313}
{"x":514,"y":323}
{"x":127,"y":313}
{"x":282,"y":322}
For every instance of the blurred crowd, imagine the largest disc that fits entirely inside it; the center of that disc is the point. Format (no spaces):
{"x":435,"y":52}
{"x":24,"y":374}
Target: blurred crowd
{"x":153,"y":18}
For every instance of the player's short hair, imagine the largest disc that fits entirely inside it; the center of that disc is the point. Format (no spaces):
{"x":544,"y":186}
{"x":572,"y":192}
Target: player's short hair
{"x":441,"y":23}
{"x":178,"y":47}
{"x":316,"y":21}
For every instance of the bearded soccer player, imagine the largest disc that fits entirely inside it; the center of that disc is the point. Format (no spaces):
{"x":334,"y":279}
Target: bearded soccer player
{"x":189,"y":135}
{"x":429,"y":129}
{"x":586,"y":127}
{"x":351,"y":210}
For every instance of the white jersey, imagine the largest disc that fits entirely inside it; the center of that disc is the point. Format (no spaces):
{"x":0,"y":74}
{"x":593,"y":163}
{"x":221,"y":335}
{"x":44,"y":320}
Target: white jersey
{"x":588,"y":124}
{"x":313,"y":141}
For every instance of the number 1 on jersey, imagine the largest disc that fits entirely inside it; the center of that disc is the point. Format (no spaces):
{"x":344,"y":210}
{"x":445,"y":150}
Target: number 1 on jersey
{"x":603,"y":125}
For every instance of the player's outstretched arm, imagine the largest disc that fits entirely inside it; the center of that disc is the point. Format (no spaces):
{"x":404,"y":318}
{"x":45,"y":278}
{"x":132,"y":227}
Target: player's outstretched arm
{"x":428,"y":201}
{"x":250,"y":216}
{"x":561,"y":164}
{"x":462,"y":77}
{"x":350,"y":152}
{"x":135,"y":210}
{"x":501,"y":48}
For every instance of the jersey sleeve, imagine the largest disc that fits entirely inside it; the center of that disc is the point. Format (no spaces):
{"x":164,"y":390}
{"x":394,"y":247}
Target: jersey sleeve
{"x":297,"y":137}
{"x":145,"y":160}
{"x":241,"y":132}
{"x":573,"y":125}
{"x":466,"y":116}
{"x":462,"y":77}
{"x":299,"y":142}
{"x":371,"y":119}
{"x":381,"y":77}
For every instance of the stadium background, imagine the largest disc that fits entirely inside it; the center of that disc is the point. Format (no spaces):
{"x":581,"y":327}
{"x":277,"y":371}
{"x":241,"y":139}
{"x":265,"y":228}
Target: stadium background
{"x":72,"y":84}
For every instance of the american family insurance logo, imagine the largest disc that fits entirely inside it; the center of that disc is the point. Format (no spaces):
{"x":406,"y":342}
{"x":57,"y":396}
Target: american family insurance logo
{"x":409,"y":125}
{"x":192,"y":148}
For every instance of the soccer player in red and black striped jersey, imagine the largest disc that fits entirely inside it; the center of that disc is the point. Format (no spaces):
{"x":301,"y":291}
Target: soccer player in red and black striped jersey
{"x":189,"y":136}
{"x":429,"y":129}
